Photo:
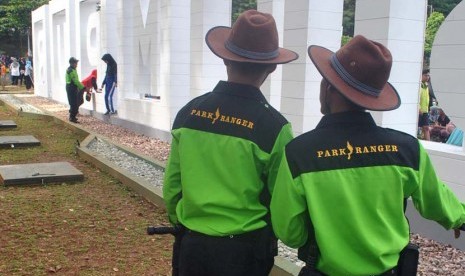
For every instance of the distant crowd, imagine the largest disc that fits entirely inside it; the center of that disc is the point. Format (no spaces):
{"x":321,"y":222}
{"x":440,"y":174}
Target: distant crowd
{"x":16,"y":71}
{"x":433,"y":123}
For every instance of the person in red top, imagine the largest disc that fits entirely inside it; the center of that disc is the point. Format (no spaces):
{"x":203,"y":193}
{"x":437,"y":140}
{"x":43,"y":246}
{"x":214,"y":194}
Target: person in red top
{"x":89,"y":82}
{"x":3,"y":75}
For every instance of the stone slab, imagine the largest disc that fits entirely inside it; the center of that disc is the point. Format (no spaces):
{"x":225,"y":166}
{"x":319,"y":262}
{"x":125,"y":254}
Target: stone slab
{"x":6,"y":124}
{"x":18,"y":141}
{"x":39,"y":173}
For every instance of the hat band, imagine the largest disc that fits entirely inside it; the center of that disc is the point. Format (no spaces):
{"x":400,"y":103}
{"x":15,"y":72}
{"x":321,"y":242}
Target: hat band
{"x":250,"y":54}
{"x":349,"y":79}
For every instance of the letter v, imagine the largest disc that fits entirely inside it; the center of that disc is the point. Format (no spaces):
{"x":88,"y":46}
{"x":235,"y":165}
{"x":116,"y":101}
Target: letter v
{"x":144,"y":10}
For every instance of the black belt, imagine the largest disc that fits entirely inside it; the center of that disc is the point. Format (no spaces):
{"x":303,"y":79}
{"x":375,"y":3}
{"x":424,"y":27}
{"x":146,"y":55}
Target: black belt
{"x":390,"y":272}
{"x":249,"y":236}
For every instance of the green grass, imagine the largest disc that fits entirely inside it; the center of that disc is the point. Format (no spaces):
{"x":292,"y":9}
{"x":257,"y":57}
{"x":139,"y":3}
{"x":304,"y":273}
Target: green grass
{"x":56,"y":140}
{"x":93,"y":227}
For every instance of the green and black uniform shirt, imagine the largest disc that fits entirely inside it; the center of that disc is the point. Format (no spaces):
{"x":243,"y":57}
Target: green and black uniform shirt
{"x":349,"y":179}
{"x":73,"y":78}
{"x":223,"y":160}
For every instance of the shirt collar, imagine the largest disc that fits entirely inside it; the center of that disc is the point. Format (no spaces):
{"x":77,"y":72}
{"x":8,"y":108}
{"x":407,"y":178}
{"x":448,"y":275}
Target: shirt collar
{"x":240,"y":90}
{"x":346,"y":119}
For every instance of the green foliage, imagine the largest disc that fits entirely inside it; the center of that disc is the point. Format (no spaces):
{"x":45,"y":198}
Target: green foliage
{"x":238,"y":6}
{"x":345,"y":39}
{"x":348,"y":17}
{"x":15,"y":21}
{"x":443,"y":6}
{"x":15,"y":15}
{"x":432,"y":25}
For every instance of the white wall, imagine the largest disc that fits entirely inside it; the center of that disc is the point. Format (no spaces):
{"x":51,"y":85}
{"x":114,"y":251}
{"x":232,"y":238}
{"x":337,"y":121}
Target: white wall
{"x":448,"y":65}
{"x":447,"y":75}
{"x":42,"y":51}
{"x":305,"y":23}
{"x":399,"y":25}
{"x":272,"y":87}
{"x":160,"y":51}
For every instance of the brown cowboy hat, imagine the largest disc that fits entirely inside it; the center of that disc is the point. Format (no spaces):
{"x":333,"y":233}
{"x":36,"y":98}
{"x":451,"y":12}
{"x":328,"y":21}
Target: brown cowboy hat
{"x":360,"y":71}
{"x":253,"y":38}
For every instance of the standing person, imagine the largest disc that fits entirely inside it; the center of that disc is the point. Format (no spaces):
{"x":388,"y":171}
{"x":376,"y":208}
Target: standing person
{"x":223,"y":155}
{"x":90,"y":82}
{"x":73,"y":88}
{"x":343,"y":186}
{"x":22,"y":67}
{"x":3,"y":75}
{"x":423,"y":108}
{"x":432,"y":97}
{"x":28,"y":75}
{"x":14,"y":71}
{"x":110,"y":82}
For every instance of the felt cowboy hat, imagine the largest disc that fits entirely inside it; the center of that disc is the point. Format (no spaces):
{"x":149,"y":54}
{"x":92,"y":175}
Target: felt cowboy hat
{"x":359,"y":71}
{"x":253,"y":38}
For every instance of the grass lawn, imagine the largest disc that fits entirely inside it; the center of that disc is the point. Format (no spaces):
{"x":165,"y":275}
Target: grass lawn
{"x":94,"y":227}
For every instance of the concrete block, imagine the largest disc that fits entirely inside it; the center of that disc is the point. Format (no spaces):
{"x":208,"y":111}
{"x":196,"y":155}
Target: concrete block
{"x":39,"y":173}
{"x":18,"y":141}
{"x":7,"y":124}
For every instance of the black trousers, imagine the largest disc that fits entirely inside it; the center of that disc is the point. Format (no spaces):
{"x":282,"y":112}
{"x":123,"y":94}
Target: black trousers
{"x":72,"y":92}
{"x":202,"y":255}
{"x":28,"y":82}
{"x":80,"y":97}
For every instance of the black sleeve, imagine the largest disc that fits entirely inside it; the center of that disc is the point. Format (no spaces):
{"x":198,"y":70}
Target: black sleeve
{"x":447,"y":120}
{"x":431,"y":92}
{"x":94,"y":83}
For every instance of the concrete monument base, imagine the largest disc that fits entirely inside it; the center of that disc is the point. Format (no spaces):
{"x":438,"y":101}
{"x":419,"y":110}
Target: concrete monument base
{"x":39,"y":173}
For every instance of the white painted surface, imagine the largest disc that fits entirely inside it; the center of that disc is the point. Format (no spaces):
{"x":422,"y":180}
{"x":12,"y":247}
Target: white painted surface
{"x":448,"y":65}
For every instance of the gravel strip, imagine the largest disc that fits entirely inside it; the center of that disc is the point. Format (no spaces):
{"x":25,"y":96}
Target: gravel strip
{"x":149,"y":146}
{"x":435,"y":258}
{"x":148,"y":171}
{"x":12,"y":100}
{"x":136,"y":166}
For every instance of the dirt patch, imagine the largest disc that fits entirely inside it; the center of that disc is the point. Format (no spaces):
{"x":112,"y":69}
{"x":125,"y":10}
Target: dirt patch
{"x":94,"y":227}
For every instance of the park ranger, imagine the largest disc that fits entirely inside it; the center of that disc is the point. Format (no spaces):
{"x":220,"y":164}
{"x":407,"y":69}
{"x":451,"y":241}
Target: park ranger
{"x":223,"y":156}
{"x":342,"y":187}
{"x":73,"y":88}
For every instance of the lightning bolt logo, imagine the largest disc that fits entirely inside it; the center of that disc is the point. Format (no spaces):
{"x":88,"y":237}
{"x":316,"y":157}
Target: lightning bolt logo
{"x":217,"y":115}
{"x":350,"y":149}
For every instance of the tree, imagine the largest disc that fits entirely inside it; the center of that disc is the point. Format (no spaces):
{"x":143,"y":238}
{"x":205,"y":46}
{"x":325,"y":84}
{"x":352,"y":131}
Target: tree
{"x":238,"y":6}
{"x":345,"y":39}
{"x":432,"y":25}
{"x":443,"y":6}
{"x":15,"y":20}
{"x":348,"y":18}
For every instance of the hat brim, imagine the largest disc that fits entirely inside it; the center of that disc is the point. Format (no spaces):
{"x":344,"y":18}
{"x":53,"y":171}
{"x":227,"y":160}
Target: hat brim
{"x":217,"y":36}
{"x":387,"y":100}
